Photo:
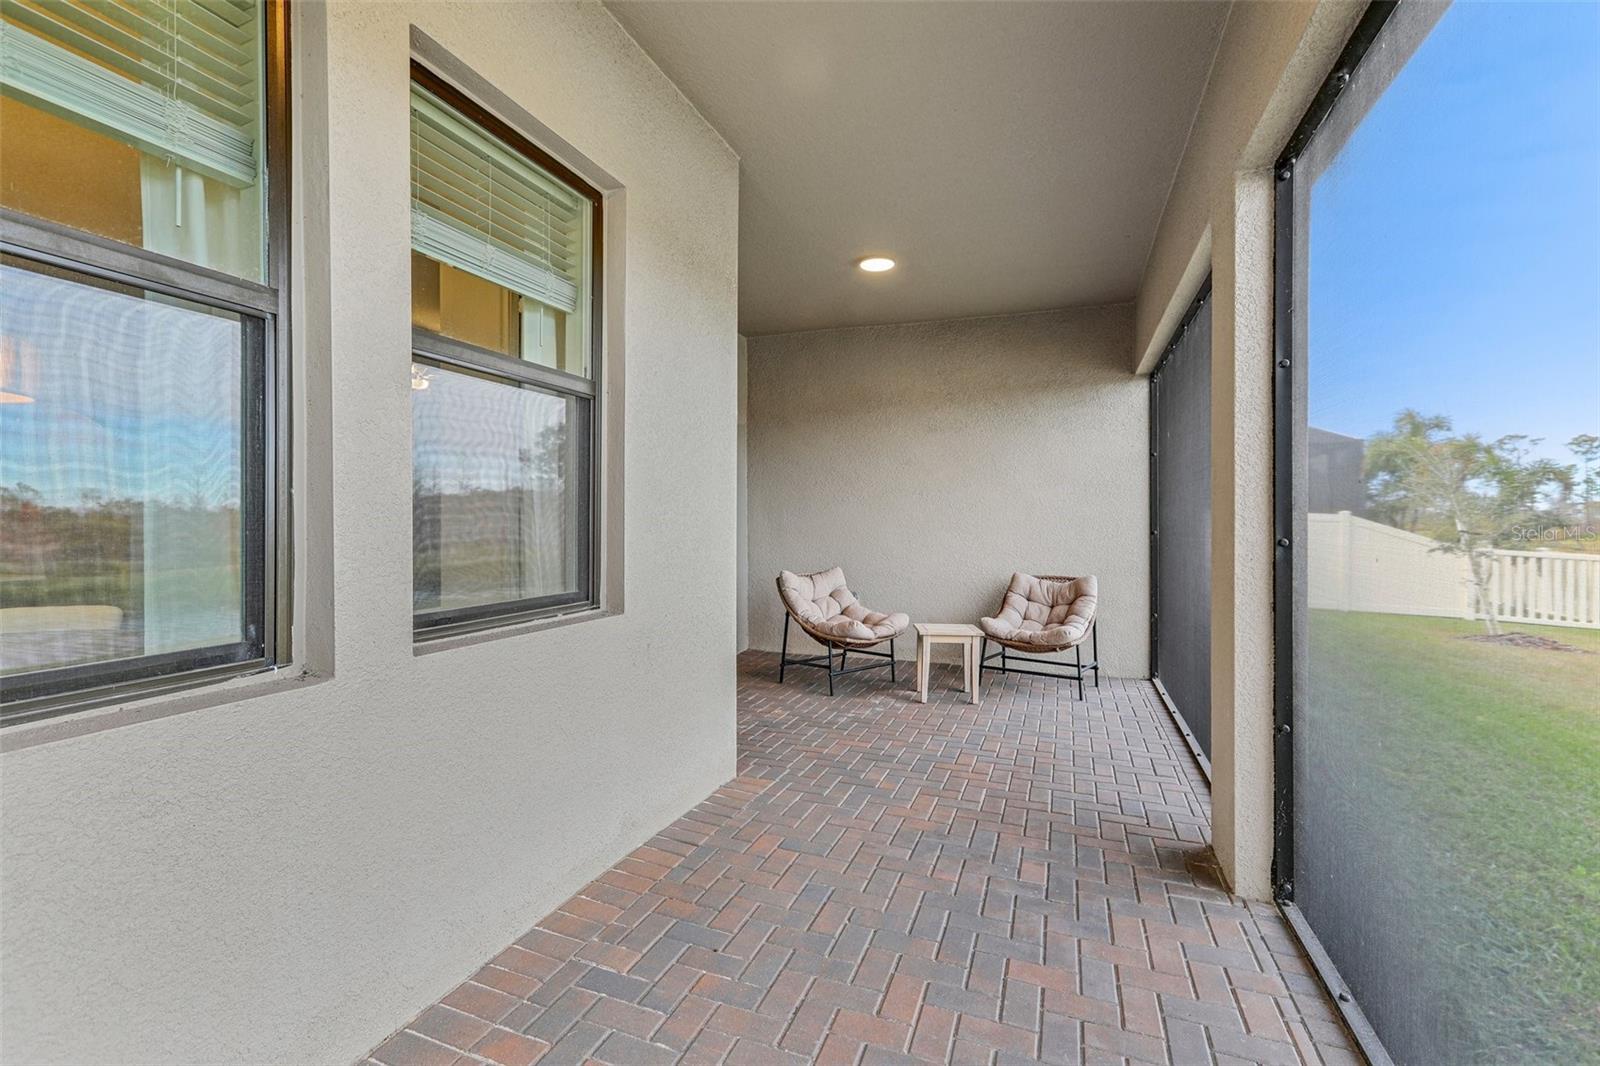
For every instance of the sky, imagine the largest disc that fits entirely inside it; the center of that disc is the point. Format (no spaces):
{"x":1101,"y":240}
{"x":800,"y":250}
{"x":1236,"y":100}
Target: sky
{"x":1455,"y":241}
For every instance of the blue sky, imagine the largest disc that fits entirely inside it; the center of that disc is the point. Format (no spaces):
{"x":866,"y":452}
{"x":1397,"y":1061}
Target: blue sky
{"x":1455,"y":242}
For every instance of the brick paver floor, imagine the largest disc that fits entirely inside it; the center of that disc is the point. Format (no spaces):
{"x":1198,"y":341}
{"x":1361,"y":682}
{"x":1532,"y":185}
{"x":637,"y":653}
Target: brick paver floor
{"x":888,"y":881}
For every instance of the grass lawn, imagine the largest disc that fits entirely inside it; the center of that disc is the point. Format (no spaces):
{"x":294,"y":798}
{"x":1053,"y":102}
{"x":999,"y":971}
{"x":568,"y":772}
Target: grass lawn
{"x":1466,"y":781}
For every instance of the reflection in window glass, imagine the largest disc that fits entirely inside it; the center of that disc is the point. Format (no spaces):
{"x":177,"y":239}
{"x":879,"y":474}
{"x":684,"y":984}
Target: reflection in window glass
{"x":499,"y":500}
{"x":120,"y":473}
{"x":139,"y":121}
{"x":1447,"y":755}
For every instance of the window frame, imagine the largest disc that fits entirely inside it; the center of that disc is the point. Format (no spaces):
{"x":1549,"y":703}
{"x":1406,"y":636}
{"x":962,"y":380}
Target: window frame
{"x":266,"y":426}
{"x":448,"y":353}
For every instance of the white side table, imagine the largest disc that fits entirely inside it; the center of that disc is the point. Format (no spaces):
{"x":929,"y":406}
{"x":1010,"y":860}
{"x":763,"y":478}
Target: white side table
{"x":968,"y":636}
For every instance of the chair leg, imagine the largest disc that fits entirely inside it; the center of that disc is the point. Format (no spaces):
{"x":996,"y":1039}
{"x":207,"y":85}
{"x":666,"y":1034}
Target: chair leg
{"x":843,"y":653}
{"x":983,"y":653}
{"x":1003,"y":668}
{"x":1077,"y":654}
{"x":830,"y":669}
{"x":1094,"y":637}
{"x":891,"y":660}
{"x":783,"y":660}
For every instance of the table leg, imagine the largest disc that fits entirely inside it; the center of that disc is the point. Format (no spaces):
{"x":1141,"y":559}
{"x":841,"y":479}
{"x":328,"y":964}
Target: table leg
{"x":975,"y":674}
{"x":922,"y":670}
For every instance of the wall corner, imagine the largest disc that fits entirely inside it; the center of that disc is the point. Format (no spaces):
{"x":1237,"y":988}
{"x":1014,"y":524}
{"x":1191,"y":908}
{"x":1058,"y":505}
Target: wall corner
{"x":1242,"y":536}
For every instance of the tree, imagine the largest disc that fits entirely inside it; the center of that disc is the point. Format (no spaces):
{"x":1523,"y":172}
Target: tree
{"x":1586,"y":446}
{"x":1388,"y":463}
{"x":1471,"y":494}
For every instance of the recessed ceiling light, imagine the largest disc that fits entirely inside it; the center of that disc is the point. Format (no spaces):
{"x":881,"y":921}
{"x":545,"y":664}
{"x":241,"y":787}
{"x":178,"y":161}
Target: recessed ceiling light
{"x":876,"y":264}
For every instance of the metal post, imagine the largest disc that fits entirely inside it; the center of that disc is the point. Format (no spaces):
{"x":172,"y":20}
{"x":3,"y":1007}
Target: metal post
{"x":1094,"y":637}
{"x":783,"y":660}
{"x":1077,"y":654}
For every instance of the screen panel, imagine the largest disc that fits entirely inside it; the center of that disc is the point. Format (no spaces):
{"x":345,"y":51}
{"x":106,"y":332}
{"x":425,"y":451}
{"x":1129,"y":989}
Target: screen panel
{"x":1446,"y":713}
{"x":1181,"y":441}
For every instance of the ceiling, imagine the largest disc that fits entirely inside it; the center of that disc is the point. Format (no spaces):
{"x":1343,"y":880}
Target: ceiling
{"x":1012,"y":156}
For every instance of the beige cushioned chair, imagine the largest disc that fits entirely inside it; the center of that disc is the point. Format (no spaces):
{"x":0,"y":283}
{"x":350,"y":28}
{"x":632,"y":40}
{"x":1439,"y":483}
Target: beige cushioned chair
{"x":1042,"y":616}
{"x":829,"y":613}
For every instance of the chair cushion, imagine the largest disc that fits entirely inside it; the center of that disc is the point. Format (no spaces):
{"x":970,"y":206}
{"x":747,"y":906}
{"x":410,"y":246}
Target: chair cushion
{"x":826,"y":607}
{"x":1044,"y":613}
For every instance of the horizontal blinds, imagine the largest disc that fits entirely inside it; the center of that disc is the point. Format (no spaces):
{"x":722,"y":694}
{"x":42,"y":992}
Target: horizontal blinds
{"x":483,"y":208}
{"x":177,"y":78}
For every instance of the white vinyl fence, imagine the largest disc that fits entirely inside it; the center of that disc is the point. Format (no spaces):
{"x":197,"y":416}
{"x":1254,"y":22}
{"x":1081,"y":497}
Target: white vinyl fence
{"x":1551,"y":588}
{"x":1357,"y":565}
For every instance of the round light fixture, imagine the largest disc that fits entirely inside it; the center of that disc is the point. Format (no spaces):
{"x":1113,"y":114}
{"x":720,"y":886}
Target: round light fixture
{"x":876,"y":264}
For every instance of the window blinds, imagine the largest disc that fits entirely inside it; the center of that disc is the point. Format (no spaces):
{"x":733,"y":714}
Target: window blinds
{"x":176,"y":78}
{"x":483,"y":208}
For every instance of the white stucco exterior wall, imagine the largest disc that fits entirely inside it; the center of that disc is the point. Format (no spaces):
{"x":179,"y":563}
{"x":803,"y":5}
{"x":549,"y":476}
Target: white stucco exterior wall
{"x":931,"y":460}
{"x":287,"y":871}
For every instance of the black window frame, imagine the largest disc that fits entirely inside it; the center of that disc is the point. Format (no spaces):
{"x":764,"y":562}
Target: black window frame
{"x":266,"y":555}
{"x":448,"y":353}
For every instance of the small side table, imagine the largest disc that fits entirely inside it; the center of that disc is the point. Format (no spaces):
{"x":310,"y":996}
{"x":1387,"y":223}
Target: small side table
{"x":968,"y":636}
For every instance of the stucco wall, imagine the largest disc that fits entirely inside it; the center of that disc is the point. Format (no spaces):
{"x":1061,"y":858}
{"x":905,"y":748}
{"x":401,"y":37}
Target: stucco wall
{"x":288,"y":870}
{"x":931,"y":460}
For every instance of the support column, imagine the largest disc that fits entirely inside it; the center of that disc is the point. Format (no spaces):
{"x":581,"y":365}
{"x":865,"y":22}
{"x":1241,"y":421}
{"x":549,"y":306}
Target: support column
{"x":1242,"y":534}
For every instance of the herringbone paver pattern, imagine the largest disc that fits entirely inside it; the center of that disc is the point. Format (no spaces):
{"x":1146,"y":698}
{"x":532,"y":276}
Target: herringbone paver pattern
{"x":887,"y":882}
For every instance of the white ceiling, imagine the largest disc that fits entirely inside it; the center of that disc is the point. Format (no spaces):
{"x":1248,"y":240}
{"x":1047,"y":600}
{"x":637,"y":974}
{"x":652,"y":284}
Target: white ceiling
{"x":1012,"y":156}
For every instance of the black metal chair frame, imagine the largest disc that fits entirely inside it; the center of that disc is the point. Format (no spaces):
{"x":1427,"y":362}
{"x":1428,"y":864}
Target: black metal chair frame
{"x":818,"y":660}
{"x":1077,"y":666}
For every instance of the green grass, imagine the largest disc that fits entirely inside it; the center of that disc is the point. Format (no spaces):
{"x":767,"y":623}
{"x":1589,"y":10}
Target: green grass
{"x":1479,"y":767}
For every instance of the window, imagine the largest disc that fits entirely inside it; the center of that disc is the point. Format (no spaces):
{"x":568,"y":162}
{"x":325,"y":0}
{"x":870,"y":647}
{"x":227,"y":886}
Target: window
{"x":1440,"y":579}
{"x":142,"y":214}
{"x":503,"y":295}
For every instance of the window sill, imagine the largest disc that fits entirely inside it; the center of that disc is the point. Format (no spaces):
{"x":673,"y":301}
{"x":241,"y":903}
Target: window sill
{"x":427,"y":645}
{"x":198,"y":696}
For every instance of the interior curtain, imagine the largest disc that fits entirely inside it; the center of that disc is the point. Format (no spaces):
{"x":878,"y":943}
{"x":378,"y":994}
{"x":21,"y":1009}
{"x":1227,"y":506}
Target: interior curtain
{"x":199,"y":219}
